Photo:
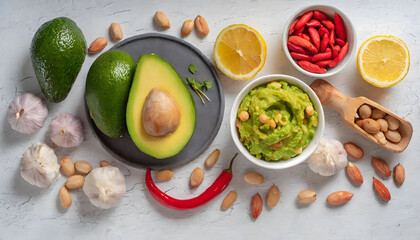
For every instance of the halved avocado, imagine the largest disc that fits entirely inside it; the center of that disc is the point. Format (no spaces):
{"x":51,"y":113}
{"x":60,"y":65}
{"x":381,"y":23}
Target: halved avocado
{"x":154,"y":72}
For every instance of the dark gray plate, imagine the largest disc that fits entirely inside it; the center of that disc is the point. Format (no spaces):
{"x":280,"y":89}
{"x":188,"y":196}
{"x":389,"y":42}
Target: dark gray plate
{"x":180,"y":55}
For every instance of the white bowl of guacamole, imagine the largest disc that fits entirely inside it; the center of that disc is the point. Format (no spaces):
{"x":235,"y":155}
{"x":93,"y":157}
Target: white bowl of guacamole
{"x":277,"y":121}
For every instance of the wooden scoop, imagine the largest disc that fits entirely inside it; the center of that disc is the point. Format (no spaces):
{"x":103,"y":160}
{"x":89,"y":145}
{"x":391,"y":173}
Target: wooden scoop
{"x":347,"y":107}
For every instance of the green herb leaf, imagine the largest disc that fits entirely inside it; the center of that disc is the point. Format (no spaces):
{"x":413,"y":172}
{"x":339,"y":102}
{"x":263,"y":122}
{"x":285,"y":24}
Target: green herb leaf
{"x":192,"y":68}
{"x":208,"y":84}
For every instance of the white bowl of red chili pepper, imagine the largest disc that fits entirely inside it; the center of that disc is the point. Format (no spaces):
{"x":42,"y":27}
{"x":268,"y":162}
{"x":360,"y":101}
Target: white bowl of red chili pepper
{"x":319,"y":40}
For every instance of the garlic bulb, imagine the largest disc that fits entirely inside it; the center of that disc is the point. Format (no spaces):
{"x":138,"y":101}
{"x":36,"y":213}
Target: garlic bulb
{"x":104,"y":186}
{"x":66,"y":130}
{"x":328,"y":158}
{"x":27,"y":113}
{"x":39,"y":165}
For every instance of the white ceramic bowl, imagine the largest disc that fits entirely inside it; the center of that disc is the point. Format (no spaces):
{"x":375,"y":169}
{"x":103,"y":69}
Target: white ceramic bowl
{"x":318,"y":131}
{"x":351,"y":38}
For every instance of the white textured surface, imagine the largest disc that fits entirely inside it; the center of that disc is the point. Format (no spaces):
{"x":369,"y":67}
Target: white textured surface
{"x":27,"y":212}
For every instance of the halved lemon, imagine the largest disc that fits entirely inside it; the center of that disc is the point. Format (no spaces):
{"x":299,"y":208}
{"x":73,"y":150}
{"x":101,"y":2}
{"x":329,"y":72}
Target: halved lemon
{"x":383,"y":61}
{"x":240,"y":52}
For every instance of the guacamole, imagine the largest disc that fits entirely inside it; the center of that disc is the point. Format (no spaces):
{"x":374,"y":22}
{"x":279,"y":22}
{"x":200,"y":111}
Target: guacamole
{"x":278,"y":127}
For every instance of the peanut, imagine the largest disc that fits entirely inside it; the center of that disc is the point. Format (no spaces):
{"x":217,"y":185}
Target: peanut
{"x":201,"y":25}
{"x":67,"y":166}
{"x":377,"y":114}
{"x":244,"y":116}
{"x":83,"y":167}
{"x":229,"y":200}
{"x":98,"y":45}
{"x":256,"y":206}
{"x":371,"y":126}
{"x":353,"y":150}
{"x":340,"y":197}
{"x":162,"y":20}
{"x":380,"y":137}
{"x":104,"y":163}
{"x":359,"y":122}
{"x":399,"y":174}
{"x":306,"y":196}
{"x":272,"y":124}
{"x":276,"y":84}
{"x":273,"y":196}
{"x":116,"y":31}
{"x":212,"y":159}
{"x":381,"y":166}
{"x":309,"y":110}
{"x":197,"y":177}
{"x":75,"y":181}
{"x":65,"y":198}
{"x":393,"y":136}
{"x":365,"y":111}
{"x":277,"y":145}
{"x":383,"y":124}
{"x":263,"y":118}
{"x":187,"y":27}
{"x":254,"y":178}
{"x":393,"y":123}
{"x":164,"y":175}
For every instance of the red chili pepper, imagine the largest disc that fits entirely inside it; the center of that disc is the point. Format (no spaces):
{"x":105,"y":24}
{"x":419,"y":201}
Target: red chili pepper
{"x":299,"y":31}
{"x":320,"y":16}
{"x":324,"y":42}
{"x":328,"y":24}
{"x":323,"y":63}
{"x":340,"y":30}
{"x":320,"y":56}
{"x":332,"y":37}
{"x":303,"y":43}
{"x":294,"y":48}
{"x":299,"y":56}
{"x":292,"y":28}
{"x":303,"y":20}
{"x":183,"y":204}
{"x":328,"y":49}
{"x":335,"y":50}
{"x":313,"y":23}
{"x":323,"y":30}
{"x":340,"y":55}
{"x":310,"y":67}
{"x":340,"y":42}
{"x":315,"y":37}
{"x":305,"y":36}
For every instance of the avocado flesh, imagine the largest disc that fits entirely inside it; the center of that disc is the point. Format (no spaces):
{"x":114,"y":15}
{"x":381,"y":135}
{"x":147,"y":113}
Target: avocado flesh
{"x":58,"y":51}
{"x":107,"y":87}
{"x":154,"y":72}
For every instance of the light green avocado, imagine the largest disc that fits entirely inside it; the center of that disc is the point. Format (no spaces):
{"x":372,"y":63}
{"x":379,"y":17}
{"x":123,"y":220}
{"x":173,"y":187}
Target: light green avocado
{"x":58,"y":51}
{"x":107,"y":87}
{"x":154,"y":72}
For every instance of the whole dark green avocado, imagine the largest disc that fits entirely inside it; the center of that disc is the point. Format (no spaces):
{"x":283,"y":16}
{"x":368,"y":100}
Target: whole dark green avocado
{"x":58,"y":51}
{"x":108,"y":84}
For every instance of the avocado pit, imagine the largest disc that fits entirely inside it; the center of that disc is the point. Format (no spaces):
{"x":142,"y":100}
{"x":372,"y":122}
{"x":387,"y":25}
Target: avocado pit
{"x":161,"y":115}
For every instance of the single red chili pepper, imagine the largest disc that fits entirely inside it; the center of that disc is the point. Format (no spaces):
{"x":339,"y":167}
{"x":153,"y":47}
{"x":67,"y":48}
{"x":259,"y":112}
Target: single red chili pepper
{"x":332,"y":37}
{"x":299,"y":56}
{"x":303,"y":20}
{"x":315,"y":37}
{"x":328,"y":24}
{"x":340,"y":30}
{"x":294,"y":48}
{"x":292,"y":28}
{"x":340,"y":55}
{"x":303,"y":43}
{"x":324,"y":42}
{"x":321,"y":56}
{"x":298,"y":31}
{"x":323,"y":30}
{"x":323,"y":63}
{"x":183,"y":204}
{"x":310,"y":67}
{"x":320,"y":16}
{"x":335,"y":50}
{"x":313,"y":23}
{"x":340,"y":42}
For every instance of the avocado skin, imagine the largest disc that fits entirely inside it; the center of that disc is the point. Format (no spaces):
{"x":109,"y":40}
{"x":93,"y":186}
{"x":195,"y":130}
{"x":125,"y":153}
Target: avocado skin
{"x":107,"y":87}
{"x":58,"y":51}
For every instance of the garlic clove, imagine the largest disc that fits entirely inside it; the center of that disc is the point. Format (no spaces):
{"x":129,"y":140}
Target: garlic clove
{"x":27,"y":113}
{"x":39,"y":165}
{"x":66,"y":130}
